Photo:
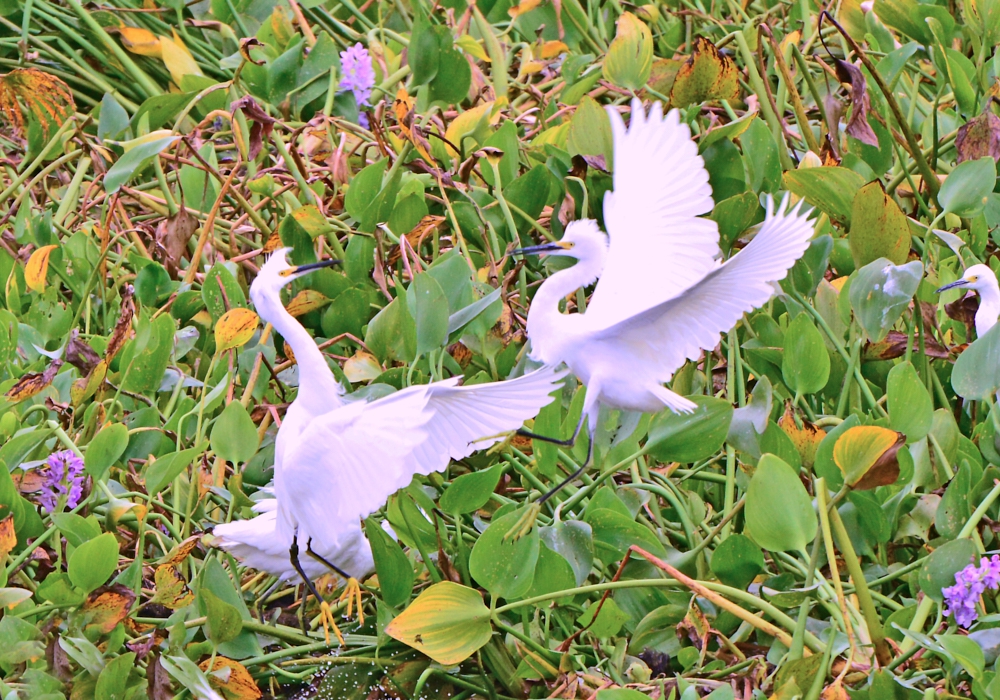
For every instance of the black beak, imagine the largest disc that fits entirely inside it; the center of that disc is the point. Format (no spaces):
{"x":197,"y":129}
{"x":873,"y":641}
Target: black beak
{"x":314,"y":266}
{"x":958,"y":283}
{"x":536,"y":249}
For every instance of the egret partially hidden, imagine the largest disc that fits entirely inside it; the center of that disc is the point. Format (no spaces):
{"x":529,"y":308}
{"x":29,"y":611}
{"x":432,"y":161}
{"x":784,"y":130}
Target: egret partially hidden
{"x":980,"y":278}
{"x":336,"y":462}
{"x":663,"y":295}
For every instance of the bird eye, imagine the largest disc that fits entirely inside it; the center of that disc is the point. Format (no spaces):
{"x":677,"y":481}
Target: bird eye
{"x":974,"y":278}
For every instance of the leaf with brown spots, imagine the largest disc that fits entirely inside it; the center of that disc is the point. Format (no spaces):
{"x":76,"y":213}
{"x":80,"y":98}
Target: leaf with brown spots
{"x":857,"y":125}
{"x":80,"y":354}
{"x":894,"y":345}
{"x":107,"y":606}
{"x":403,"y":108}
{"x":806,"y":439}
{"x":235,"y":328}
{"x":37,"y":268}
{"x":47,"y":98}
{"x":85,"y":387}
{"x":181,"y":551}
{"x":978,"y":138}
{"x":231,"y":677}
{"x":272,"y":244}
{"x":171,"y":588}
{"x":305,"y":301}
{"x":8,"y":539}
{"x":416,"y":236}
{"x":123,"y":327}
{"x":705,"y":75}
{"x":32,"y":383}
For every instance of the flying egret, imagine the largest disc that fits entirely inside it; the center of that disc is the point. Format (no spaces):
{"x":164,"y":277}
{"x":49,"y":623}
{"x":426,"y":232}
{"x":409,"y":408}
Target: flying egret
{"x":663,"y":295}
{"x":980,"y":278}
{"x":336,"y":462}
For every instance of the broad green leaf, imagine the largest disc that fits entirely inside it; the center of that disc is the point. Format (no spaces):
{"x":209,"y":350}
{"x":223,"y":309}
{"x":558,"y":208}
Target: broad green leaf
{"x":976,"y":376}
{"x":910,"y":407}
{"x":941,"y":566}
{"x":114,"y":118}
{"x":689,"y":437}
{"x":572,"y":540}
{"x":966,"y":652}
{"x":392,"y":334}
{"x":880,"y":292}
{"x":552,"y":573}
{"x":966,"y":190}
{"x":590,"y":131}
{"x":805,"y":365}
{"x":218,"y":280}
{"x":93,"y":562}
{"x":879,"y":228}
{"x":608,"y":621}
{"x":737,"y":561}
{"x":112,"y":684}
{"x":395,"y":573}
{"x":447,"y":622}
{"x":133,"y":161}
{"x":224,"y":622}
{"x":779,"y":513}
{"x":614,"y":533}
{"x":234,"y":436}
{"x":504,"y":567}
{"x":164,"y":470}
{"x":830,"y":189}
{"x":105,"y":449}
{"x":429,"y":307}
{"x":145,"y":368}
{"x":470,"y":492}
{"x":630,"y":57}
{"x":215,"y":579}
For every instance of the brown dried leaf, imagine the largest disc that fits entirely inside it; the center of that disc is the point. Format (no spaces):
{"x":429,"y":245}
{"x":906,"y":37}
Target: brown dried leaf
{"x":80,"y":354}
{"x":181,"y":551}
{"x":172,"y":237}
{"x":58,"y":660}
{"x":978,"y":138}
{"x":32,"y":383}
{"x":107,"y":606}
{"x":964,"y":310}
{"x":461,"y":354}
{"x":159,"y":681}
{"x":272,"y":244}
{"x":28,"y":481}
{"x":857,"y":125}
{"x":239,"y":685}
{"x":415,"y":238}
{"x":246,"y":45}
{"x":403,"y":109}
{"x":894,"y":345}
{"x":123,"y":327}
{"x":263,"y":123}
{"x":806,"y":439}
{"x":8,"y":539}
{"x":171,"y":588}
{"x":47,"y":97}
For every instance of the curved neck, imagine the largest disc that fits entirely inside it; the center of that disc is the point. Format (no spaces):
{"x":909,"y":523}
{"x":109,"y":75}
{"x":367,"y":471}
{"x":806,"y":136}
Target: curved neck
{"x":989,"y":308}
{"x":545,"y":306}
{"x":320,"y":389}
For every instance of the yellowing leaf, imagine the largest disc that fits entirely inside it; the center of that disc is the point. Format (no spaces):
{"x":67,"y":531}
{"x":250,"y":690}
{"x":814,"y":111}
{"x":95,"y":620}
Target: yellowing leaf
{"x":235,"y":328}
{"x":806,"y":439}
{"x":181,"y":551}
{"x":305,"y":301}
{"x":522,"y":7}
{"x":171,"y":588}
{"x":630,"y":57}
{"x":8,"y":540}
{"x":32,"y":383}
{"x":447,"y":622}
{"x":472,"y":122}
{"x":47,"y":97}
{"x":231,"y":677}
{"x":866,"y":455}
{"x":551,"y":49}
{"x":85,"y":387}
{"x":363,"y":367}
{"x":272,"y":243}
{"x":706,"y":75}
{"x":140,"y":41}
{"x":178,"y":59}
{"x":37,"y":268}
{"x":311,"y":220}
{"x":472,"y":47}
{"x":107,"y":606}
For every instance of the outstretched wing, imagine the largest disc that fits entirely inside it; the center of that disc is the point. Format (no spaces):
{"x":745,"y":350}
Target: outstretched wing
{"x":349,"y":462}
{"x":658,"y":244}
{"x":662,"y":337}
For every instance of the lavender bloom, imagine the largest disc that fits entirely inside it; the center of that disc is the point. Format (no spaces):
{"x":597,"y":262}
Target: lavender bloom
{"x":64,"y":481}
{"x":359,"y":76}
{"x":970,"y":583}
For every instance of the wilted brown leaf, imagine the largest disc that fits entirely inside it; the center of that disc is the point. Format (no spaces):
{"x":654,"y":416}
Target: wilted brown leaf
{"x":32,"y":383}
{"x":107,"y":606}
{"x":123,"y":327}
{"x":415,"y":238}
{"x":894,"y":345}
{"x":403,"y":109}
{"x":806,"y":439}
{"x":171,"y":588}
{"x":857,"y":125}
{"x":263,"y":123}
{"x":461,"y":354}
{"x":246,"y":45}
{"x":80,"y":354}
{"x":159,"y":681}
{"x":47,"y":97}
{"x":172,"y":236}
{"x":705,"y":75}
{"x":239,"y":685}
{"x":964,"y":311}
{"x":978,"y":138}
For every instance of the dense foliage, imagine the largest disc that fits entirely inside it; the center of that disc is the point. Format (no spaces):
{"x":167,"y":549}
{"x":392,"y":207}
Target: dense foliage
{"x":799,"y":535}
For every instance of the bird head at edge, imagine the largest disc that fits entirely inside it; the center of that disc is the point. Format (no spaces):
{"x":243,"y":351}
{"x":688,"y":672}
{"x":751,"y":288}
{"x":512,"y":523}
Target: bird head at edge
{"x":582,"y":240}
{"x":976,"y":277}
{"x":278,"y":272}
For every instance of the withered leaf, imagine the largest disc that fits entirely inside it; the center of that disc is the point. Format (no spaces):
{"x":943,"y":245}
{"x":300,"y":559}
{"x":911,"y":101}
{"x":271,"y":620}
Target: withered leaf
{"x":47,"y":97}
{"x":885,"y":471}
{"x":857,"y":125}
{"x":123,"y":327}
{"x":806,"y":439}
{"x":32,"y":383}
{"x":80,"y":354}
{"x":978,"y":138}
{"x":159,"y":681}
{"x":107,"y":606}
{"x":239,"y":685}
{"x":58,"y":660}
{"x":171,"y":588}
{"x":181,"y":551}
{"x":706,"y":75}
{"x":272,"y":243}
{"x":964,"y":311}
{"x":403,"y":109}
{"x":85,"y":387}
{"x":894,"y":345}
{"x":246,"y":45}
{"x":415,"y":237}
{"x":262,"y":126}
{"x":172,"y":237}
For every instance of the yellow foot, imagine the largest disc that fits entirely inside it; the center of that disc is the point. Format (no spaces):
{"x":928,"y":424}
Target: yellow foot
{"x":524,"y":524}
{"x":352,"y":594}
{"x":326,"y":615}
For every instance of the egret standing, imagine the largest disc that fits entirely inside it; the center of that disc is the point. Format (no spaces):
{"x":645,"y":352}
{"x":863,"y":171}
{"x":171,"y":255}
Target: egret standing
{"x":336,"y":462}
{"x":663,"y":295}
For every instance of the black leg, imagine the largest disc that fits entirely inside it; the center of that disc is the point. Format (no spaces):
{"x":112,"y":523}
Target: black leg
{"x":293,"y":553}
{"x":262,"y":599}
{"x":321,"y":559}
{"x":545,"y":438}
{"x":574,"y":475}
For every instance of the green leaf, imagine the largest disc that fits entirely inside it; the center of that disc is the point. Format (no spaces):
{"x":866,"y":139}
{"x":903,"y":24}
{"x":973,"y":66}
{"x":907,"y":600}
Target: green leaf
{"x":423,"y":53}
{"x":880,"y":292}
{"x":620,"y":694}
{"x":93,"y":562}
{"x":136,"y":159}
{"x":470,"y":492}
{"x":879,"y":228}
{"x":160,"y":473}
{"x":552,"y":573}
{"x":58,"y":589}
{"x":689,"y":437}
{"x":112,"y":684}
{"x":363,"y":188}
{"x":735,"y":215}
{"x":614,"y":533}
{"x":805,"y":365}
{"x":779,"y":513}
{"x":224,"y":621}
{"x":217,"y":279}
{"x":395,"y":573}
{"x":830,"y":189}
{"x":590,"y":131}
{"x":941,"y":566}
{"x":608,"y":622}
{"x":572,"y":540}
{"x":955,"y":507}
{"x":976,"y":376}
{"x":234,"y":436}
{"x":145,"y":368}
{"x":737,"y":561}
{"x":966,"y":652}
{"x":392,"y":334}
{"x":760,"y":154}
{"x":910,"y":407}
{"x":454,"y":76}
{"x":429,"y":307}
{"x":629,"y":60}
{"x":215,"y":579}
{"x":504,"y":567}
{"x":114,"y":118}
{"x":105,"y":449}
{"x":447,"y":622}
{"x":966,"y":190}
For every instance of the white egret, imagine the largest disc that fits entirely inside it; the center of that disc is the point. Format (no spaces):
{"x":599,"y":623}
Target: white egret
{"x":980,"y":278}
{"x":336,"y":462}
{"x":663,"y":295}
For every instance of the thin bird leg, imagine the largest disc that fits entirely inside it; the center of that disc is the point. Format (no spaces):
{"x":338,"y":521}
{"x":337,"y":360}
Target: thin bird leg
{"x":326,"y":615}
{"x":352,"y":589}
{"x":555,"y":441}
{"x":574,"y":475}
{"x":263,"y":598}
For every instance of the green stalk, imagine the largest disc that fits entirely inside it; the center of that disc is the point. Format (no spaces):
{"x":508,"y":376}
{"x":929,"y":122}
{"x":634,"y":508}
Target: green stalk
{"x":765,"y":104}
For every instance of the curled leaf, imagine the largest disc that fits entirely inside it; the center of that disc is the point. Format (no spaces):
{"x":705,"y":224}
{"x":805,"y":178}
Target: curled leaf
{"x":33,"y":383}
{"x":866,"y":455}
{"x":857,"y":125}
{"x":123,"y":327}
{"x":38,"y":267}
{"x":978,"y":138}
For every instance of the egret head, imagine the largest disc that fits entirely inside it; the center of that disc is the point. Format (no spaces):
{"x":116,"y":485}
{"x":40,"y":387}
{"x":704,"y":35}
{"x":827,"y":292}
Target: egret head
{"x":276,"y":273}
{"x":582,"y":240}
{"x":977,"y":277}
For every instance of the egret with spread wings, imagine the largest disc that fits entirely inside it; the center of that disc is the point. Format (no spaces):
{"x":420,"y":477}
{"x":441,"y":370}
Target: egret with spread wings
{"x":663,"y":296}
{"x":337,"y":461}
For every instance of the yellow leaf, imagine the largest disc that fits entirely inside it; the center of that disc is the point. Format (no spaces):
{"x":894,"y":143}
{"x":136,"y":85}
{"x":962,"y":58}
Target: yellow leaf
{"x":231,"y":677}
{"x":272,"y":244}
{"x":472,"y":122}
{"x":140,"y":41}
{"x":472,"y":47}
{"x":8,"y":540}
{"x":551,"y":49}
{"x":447,"y":622}
{"x":47,"y":97}
{"x":85,"y":387}
{"x":363,"y":367}
{"x":178,"y":59}
{"x":235,"y":328}
{"x":629,"y":62}
{"x":806,"y":439}
{"x":171,"y":588}
{"x":37,"y":268}
{"x":522,"y":7}
{"x":32,"y":383}
{"x":866,"y":455}
{"x":311,"y":220}
{"x":706,"y":75}
{"x":305,"y":301}
{"x":106,"y":607}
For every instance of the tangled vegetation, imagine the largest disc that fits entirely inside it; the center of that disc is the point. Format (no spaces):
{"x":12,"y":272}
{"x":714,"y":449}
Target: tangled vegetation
{"x":799,"y":535}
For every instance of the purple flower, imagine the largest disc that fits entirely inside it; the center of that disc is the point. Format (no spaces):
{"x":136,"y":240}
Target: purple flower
{"x":359,"y":76}
{"x":970,"y":583}
{"x":63,"y":485}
